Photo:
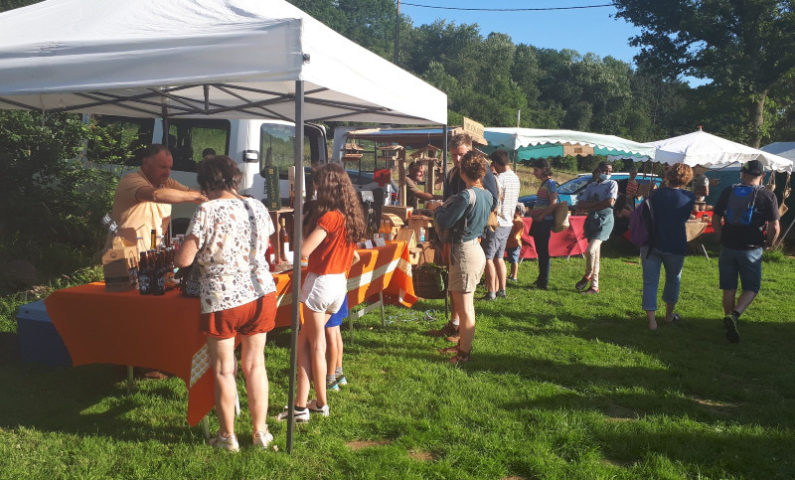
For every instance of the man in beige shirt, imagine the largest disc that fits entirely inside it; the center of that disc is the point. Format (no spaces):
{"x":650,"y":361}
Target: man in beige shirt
{"x":143,"y":198}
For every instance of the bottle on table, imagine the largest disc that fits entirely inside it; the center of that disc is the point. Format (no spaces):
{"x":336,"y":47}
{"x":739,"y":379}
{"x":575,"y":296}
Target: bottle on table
{"x":144,"y":275}
{"x":284,"y":239}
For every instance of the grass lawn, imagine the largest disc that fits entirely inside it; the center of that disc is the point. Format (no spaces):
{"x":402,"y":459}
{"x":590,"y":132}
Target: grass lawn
{"x":559,"y":386}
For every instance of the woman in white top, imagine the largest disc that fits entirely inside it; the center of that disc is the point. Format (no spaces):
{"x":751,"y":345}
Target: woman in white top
{"x":228,"y":237}
{"x":597,"y":202}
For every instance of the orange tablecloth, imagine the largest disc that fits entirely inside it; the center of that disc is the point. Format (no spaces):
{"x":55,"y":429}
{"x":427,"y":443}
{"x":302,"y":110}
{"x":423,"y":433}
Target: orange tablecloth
{"x":162,"y":332}
{"x":571,"y":241}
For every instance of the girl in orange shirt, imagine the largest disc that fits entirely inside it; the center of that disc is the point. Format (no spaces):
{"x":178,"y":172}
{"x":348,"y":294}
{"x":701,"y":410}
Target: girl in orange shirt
{"x":335,"y":222}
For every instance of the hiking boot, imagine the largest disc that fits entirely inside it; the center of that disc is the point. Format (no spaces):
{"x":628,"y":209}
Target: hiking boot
{"x":225,"y":443}
{"x":262,"y":439}
{"x":582,"y":284}
{"x":312,"y":407}
{"x":730,"y":323}
{"x":298,"y":416}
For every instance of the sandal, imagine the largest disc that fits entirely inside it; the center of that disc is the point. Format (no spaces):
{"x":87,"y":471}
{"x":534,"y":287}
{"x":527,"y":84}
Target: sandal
{"x":460,"y":357}
{"x":675,"y":319}
{"x":453,"y":349}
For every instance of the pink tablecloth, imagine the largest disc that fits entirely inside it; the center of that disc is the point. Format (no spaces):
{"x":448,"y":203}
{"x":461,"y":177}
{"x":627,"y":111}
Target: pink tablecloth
{"x":571,"y":241}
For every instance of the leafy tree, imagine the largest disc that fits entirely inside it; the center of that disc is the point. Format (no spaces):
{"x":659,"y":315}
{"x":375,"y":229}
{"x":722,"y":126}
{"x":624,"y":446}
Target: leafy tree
{"x":47,"y":196}
{"x":746,"y":47}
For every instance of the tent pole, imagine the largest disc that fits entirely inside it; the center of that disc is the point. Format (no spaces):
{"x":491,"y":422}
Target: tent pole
{"x":297,"y":234}
{"x":164,"y":114}
{"x":444,"y":156}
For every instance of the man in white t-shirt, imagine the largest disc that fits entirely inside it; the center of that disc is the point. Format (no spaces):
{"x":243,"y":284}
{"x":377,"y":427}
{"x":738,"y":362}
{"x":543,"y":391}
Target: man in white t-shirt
{"x":494,"y":242}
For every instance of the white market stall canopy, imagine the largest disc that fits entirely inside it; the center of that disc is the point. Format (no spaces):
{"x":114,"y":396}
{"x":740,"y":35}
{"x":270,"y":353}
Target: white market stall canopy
{"x":221,"y":58}
{"x":702,"y":148}
{"x":539,"y":143}
{"x":782,"y":149}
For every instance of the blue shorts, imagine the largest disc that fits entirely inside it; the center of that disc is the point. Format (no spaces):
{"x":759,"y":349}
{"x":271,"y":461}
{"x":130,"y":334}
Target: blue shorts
{"x":336,"y":319}
{"x":513,"y":254}
{"x":746,"y":263}
{"x":494,"y":242}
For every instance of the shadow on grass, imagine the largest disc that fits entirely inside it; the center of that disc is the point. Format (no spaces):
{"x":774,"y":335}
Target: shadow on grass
{"x":89,"y":400}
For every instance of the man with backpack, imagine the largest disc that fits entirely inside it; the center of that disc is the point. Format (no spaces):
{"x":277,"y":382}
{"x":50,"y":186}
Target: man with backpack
{"x":751,"y":218}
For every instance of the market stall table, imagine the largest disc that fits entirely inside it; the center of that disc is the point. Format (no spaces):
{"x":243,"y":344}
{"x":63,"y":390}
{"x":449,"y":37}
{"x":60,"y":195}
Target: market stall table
{"x":569,"y":242}
{"x":162,"y":332}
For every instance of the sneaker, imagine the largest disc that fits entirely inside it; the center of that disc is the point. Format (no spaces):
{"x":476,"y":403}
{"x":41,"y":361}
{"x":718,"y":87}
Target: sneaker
{"x":299,"y":417}
{"x":342,"y":381}
{"x":333,"y":386}
{"x":512,"y":280}
{"x":730,"y":324}
{"x":489,"y":296}
{"x":501,"y":294}
{"x":312,"y":407}
{"x":590,"y":291}
{"x":582,"y":284}
{"x":225,"y":443}
{"x":540,"y":286}
{"x":262,"y":439}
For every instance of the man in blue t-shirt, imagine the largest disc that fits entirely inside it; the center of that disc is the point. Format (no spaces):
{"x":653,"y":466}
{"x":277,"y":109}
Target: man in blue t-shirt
{"x":742,"y":241}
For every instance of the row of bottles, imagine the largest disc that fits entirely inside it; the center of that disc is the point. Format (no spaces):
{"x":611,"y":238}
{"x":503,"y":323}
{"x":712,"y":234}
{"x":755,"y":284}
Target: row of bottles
{"x":156,"y":270}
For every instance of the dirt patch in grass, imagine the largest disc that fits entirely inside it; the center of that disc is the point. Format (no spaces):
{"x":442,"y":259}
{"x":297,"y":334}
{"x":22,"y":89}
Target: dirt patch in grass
{"x":716,"y":406}
{"x":360,"y":444}
{"x":421,"y":455}
{"x":617,"y":413}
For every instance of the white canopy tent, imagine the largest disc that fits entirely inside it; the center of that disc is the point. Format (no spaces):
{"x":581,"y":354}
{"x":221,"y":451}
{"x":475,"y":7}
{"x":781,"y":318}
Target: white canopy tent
{"x":225,"y":58}
{"x":516,"y":139}
{"x":218,"y":58}
{"x":707,"y":150}
{"x":782,"y":149}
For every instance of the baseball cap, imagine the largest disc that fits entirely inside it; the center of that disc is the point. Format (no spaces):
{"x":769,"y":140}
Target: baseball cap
{"x":753,"y":167}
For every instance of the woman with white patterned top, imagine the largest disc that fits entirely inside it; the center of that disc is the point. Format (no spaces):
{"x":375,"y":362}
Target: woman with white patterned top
{"x":228,"y":237}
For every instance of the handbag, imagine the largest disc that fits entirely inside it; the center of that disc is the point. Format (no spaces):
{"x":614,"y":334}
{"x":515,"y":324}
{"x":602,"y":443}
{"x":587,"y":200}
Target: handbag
{"x":561,"y":217}
{"x":493,"y":221}
{"x":189,"y":280}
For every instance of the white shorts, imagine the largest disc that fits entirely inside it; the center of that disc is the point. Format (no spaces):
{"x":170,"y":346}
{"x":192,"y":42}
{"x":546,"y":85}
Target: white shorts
{"x":324,"y":293}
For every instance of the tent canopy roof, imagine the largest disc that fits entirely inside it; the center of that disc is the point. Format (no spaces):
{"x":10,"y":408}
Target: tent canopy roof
{"x":518,"y":138}
{"x":782,"y":149}
{"x":702,"y":148}
{"x":222,"y":58}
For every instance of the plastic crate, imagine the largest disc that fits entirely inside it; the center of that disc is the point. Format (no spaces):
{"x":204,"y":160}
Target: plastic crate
{"x":39,"y":341}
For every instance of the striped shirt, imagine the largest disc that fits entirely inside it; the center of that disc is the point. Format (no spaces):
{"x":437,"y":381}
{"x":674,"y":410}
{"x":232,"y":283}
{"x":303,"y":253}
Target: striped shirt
{"x":508,"y":194}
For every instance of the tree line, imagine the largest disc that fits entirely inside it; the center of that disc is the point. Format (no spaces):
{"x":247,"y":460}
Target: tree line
{"x":746,"y":49}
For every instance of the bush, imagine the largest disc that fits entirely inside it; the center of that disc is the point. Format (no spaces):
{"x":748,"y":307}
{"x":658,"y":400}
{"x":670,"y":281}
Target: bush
{"x":564,"y":164}
{"x":48,"y":196}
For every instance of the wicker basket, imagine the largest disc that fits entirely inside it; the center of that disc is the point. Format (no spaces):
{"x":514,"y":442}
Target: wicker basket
{"x":430,"y":281}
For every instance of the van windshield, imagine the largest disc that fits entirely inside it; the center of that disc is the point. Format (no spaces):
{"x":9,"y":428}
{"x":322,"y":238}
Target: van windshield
{"x":574,"y":185}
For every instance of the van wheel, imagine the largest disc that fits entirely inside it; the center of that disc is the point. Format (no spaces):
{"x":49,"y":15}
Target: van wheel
{"x":179,"y":226}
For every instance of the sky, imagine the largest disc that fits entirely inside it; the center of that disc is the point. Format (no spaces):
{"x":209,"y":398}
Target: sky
{"x":584,"y":30}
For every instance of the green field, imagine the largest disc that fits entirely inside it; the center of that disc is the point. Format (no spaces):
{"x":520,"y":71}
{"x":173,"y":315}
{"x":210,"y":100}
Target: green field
{"x":560,"y":386}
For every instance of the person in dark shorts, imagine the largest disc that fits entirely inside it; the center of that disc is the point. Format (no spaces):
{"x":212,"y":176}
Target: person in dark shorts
{"x":751,"y":223}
